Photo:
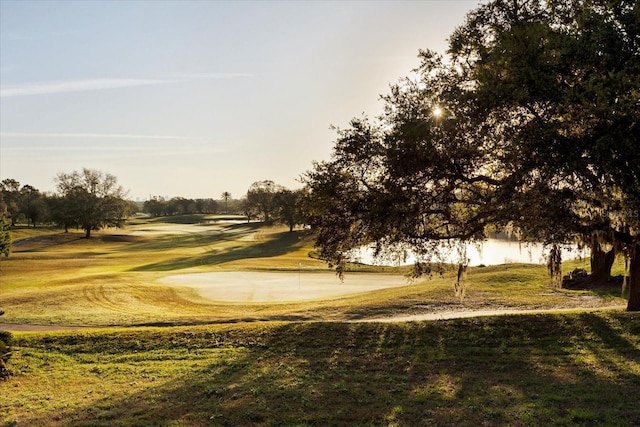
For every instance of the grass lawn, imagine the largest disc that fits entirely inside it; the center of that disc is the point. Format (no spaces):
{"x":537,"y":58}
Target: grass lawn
{"x":113,"y":279}
{"x":542,"y":370}
{"x":161,"y":355}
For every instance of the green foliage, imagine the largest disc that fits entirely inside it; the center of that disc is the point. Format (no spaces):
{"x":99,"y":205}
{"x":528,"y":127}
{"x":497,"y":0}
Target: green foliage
{"x":5,"y":236}
{"x":11,"y":195}
{"x":288,"y":207}
{"x":34,"y":205}
{"x":226,"y":196}
{"x":273,"y":203}
{"x":158,"y":206}
{"x":559,"y":83}
{"x":532,"y":124}
{"x":92,"y":200}
{"x":24,"y":202}
{"x":261,"y":199}
{"x":5,"y":351}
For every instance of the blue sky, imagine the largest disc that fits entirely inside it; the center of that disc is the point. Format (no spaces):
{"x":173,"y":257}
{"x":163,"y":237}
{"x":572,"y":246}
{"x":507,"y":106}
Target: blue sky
{"x":193,"y":98}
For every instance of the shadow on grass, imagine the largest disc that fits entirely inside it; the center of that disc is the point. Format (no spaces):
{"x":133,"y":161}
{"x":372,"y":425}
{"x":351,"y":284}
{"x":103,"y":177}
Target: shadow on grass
{"x":279,"y":244}
{"x":197,"y":218}
{"x":47,"y":241}
{"x":205,"y":238}
{"x":179,"y":219}
{"x":519,"y":370}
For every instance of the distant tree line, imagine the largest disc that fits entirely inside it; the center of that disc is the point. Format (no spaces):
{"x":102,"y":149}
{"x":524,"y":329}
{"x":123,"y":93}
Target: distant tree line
{"x":264,"y":201}
{"x":91,"y":199}
{"x":159,"y":206}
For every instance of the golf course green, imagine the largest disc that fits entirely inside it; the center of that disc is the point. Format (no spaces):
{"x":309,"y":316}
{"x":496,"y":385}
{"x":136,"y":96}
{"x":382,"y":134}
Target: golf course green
{"x":210,"y":323}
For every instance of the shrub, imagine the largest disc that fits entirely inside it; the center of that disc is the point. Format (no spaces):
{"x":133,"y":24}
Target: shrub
{"x":5,"y":351}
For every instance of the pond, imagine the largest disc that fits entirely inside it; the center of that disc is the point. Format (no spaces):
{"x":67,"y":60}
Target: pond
{"x":490,"y":252}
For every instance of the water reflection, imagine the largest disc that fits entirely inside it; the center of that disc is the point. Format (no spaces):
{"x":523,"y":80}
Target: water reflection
{"x":490,"y":252}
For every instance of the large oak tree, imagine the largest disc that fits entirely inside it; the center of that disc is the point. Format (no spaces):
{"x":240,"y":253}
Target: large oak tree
{"x":92,"y":199}
{"x":531,"y":123}
{"x":558,"y":83}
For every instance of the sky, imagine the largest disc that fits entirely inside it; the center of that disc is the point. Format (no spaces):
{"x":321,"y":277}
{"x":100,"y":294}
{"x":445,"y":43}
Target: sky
{"x":195,"y":98}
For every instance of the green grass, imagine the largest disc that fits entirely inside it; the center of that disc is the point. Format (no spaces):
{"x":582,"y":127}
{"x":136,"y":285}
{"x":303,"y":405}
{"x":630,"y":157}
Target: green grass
{"x":254,"y":364}
{"x":546,"y":370}
{"x":113,"y":278}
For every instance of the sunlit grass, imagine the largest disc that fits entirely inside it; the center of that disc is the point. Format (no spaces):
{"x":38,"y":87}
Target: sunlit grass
{"x":579,"y":369}
{"x":112,"y":278}
{"x":248,"y":364}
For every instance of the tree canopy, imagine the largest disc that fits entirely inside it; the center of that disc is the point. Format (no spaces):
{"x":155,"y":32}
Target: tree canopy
{"x":226,"y":196}
{"x":93,"y":199}
{"x":530,"y":123}
{"x":5,"y":235}
{"x":273,"y":203}
{"x":261,"y":198}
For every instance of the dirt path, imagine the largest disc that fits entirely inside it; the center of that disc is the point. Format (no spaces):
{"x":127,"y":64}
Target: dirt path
{"x":445,"y":315}
{"x":442,"y":315}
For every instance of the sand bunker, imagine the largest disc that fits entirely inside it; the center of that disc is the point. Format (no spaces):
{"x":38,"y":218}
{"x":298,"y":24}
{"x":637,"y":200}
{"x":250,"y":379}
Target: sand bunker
{"x":281,"y":286}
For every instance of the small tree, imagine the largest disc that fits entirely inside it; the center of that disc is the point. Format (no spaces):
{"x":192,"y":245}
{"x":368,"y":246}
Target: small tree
{"x":5,"y":351}
{"x":226,"y":196}
{"x":33,"y":205}
{"x":287,"y":202}
{"x":261,"y":198}
{"x":5,"y":235}
{"x":155,"y":206}
{"x":62,"y":212}
{"x":247,"y":209}
{"x":12,"y":197}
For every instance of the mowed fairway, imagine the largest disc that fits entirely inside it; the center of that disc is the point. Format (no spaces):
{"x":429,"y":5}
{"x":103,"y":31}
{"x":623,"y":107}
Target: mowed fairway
{"x":196,"y":270}
{"x":155,"y":271}
{"x":196,"y":323}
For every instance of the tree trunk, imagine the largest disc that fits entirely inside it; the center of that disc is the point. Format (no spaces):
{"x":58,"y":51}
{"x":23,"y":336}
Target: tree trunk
{"x":554,"y":265}
{"x":87,"y":232}
{"x":601,"y":262}
{"x":634,"y":278}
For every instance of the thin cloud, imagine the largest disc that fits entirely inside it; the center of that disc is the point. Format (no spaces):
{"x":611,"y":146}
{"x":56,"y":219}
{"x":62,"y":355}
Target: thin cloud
{"x":46,"y":88}
{"x":114,"y":152}
{"x":212,"y":76}
{"x":71,"y":148}
{"x":92,"y":135}
{"x":82,"y":85}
